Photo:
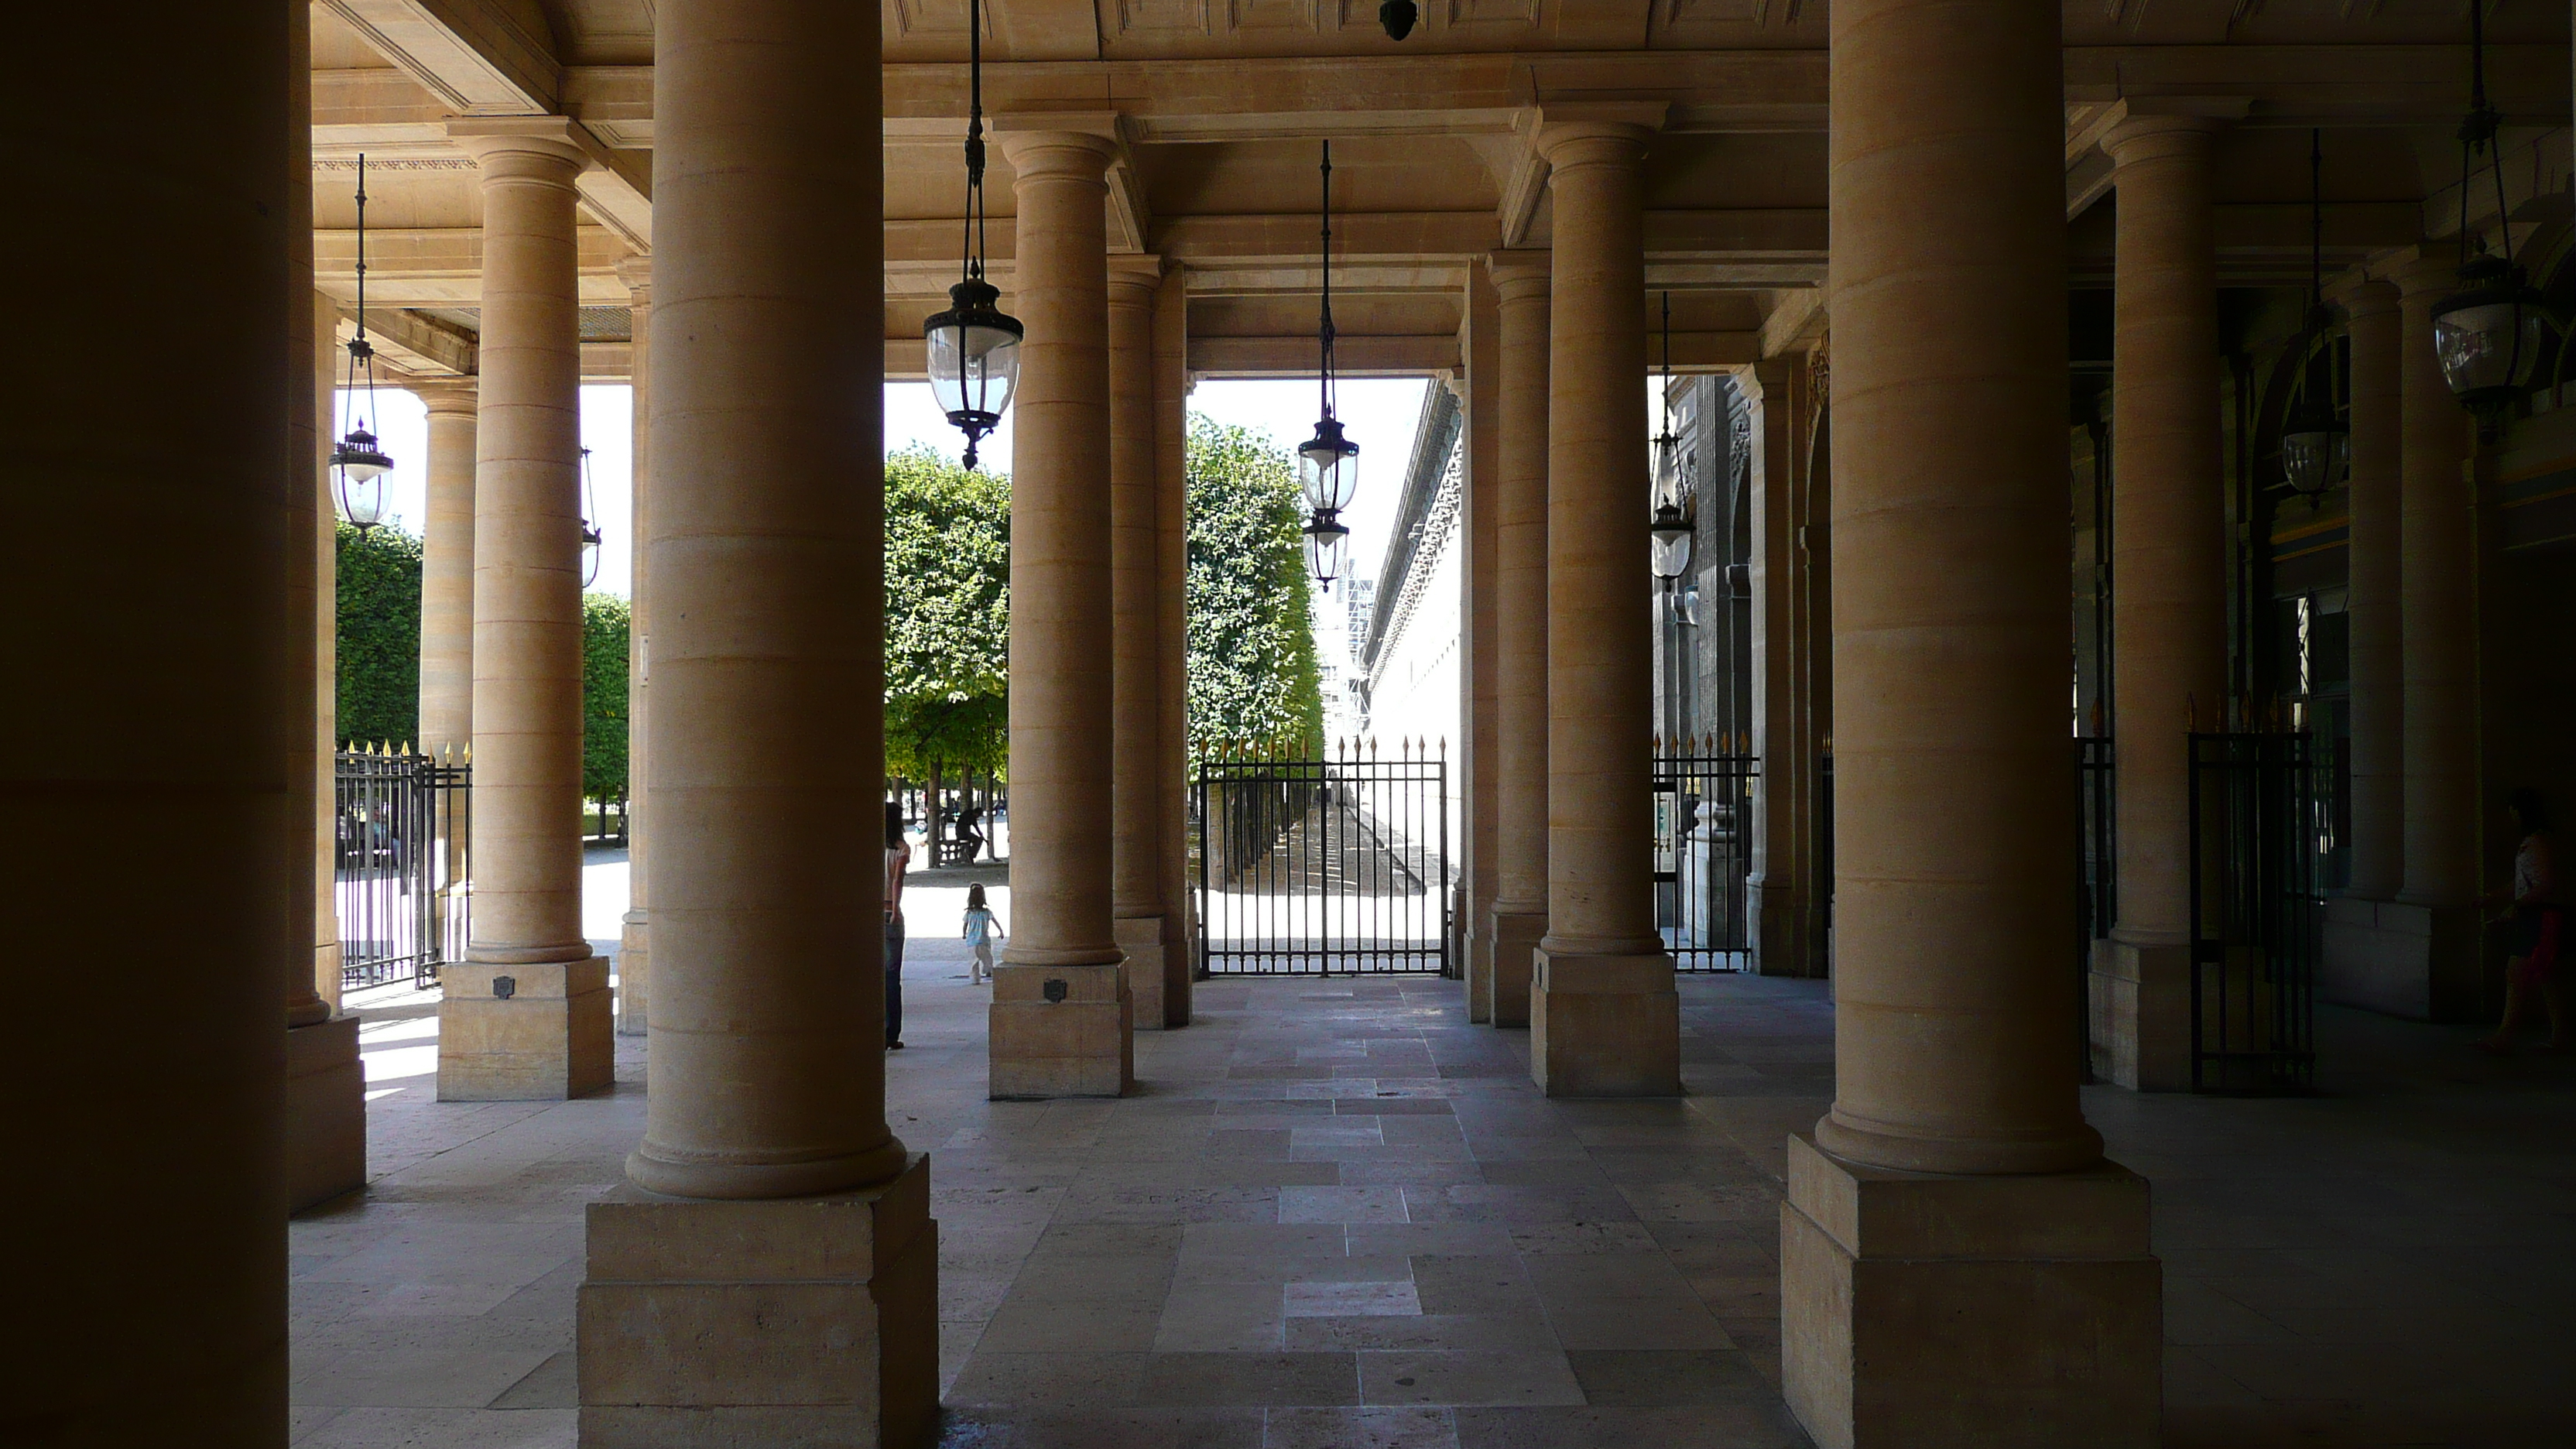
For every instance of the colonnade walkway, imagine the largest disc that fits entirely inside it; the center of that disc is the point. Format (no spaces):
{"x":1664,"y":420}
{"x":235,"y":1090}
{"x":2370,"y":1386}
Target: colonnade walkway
{"x":1336,"y":1214}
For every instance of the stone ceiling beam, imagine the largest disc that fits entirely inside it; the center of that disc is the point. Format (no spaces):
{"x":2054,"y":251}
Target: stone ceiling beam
{"x":1294,"y":356}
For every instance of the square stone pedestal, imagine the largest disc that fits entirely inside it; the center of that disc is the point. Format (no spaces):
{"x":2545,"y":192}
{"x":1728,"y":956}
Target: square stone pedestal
{"x":808,"y":1321}
{"x":524,"y":1033}
{"x":1515,"y":936}
{"x":1061,"y":1031}
{"x":1605,"y":1026}
{"x":1476,"y":958}
{"x":634,"y":975}
{"x":1148,"y":987}
{"x":326,"y":1113}
{"x":1180,"y":968}
{"x":2140,"y":998}
{"x":2418,"y":962}
{"x":1922,"y":1311}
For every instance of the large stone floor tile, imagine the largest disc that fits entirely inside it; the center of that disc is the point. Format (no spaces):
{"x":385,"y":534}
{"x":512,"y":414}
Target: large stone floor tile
{"x":1752,"y":1421}
{"x":988,"y":1428}
{"x":1362,"y":1428}
{"x":1292,"y":1379}
{"x":1515,"y":1377}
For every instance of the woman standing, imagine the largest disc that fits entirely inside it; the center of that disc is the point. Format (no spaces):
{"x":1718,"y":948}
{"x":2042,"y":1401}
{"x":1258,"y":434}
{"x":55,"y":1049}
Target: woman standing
{"x":898,"y":858}
{"x":2533,"y":932}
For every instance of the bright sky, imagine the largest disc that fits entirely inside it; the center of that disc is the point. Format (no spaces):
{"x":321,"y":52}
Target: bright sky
{"x":1379,"y":414}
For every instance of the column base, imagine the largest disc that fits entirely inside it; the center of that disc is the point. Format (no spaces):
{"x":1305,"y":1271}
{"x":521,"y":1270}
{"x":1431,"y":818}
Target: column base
{"x":1927,"y":1311}
{"x":326,"y":1113}
{"x":1515,"y":936}
{"x":1477,"y":953}
{"x":2140,"y":1002}
{"x":1061,"y":1031}
{"x":1180,"y":970}
{"x":2423,"y":963}
{"x":524,"y":1032}
{"x":1149,"y":986}
{"x":1605,"y":1026}
{"x":810,"y":1320}
{"x":1786,"y":941}
{"x":634,"y":974}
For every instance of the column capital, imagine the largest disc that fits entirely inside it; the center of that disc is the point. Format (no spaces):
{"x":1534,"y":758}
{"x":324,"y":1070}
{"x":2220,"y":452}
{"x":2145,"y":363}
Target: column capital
{"x":534,"y":148}
{"x":446,"y":395}
{"x":1573,"y":138}
{"x":2361,"y":295}
{"x":637,"y":273}
{"x":1078,"y":144}
{"x":1523,"y":274}
{"x":2157,"y":136}
{"x":1134,"y":280}
{"x":2416,"y":270}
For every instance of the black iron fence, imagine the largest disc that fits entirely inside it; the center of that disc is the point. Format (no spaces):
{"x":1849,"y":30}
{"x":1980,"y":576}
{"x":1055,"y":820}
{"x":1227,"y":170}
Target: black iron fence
{"x":2255,"y":826}
{"x":1318,"y":866}
{"x":1704,"y":853}
{"x":401,"y":878}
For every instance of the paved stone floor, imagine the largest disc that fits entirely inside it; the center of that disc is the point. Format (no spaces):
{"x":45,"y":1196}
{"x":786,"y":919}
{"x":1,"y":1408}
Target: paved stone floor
{"x":1336,"y":1216}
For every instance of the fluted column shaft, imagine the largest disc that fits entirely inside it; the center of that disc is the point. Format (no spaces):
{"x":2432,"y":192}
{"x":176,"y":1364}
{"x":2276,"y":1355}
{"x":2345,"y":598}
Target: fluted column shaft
{"x":308,"y":890}
{"x":634,"y":948}
{"x":1136,"y":888}
{"x":765,"y":559}
{"x":1953,"y":811}
{"x":157,"y":1250}
{"x":1061,"y":578}
{"x":2378,"y":700}
{"x":1600,"y":708}
{"x":2437,"y":542}
{"x":1171,"y":518}
{"x":2169,"y":596}
{"x":447,"y":571}
{"x":1520,"y":629}
{"x":527,"y":559}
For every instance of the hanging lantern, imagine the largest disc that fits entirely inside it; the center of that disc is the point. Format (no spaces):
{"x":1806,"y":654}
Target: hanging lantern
{"x":1328,"y":546}
{"x":2486,"y":336}
{"x":590,"y":534}
{"x":1328,"y":467}
{"x":974,"y":345}
{"x":1328,"y":464}
{"x":1671,"y":534}
{"x":358,"y":463}
{"x":2316,"y":447}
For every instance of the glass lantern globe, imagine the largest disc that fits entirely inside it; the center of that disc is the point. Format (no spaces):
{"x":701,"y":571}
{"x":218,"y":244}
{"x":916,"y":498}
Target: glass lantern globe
{"x":2316,"y":451}
{"x":1668,"y":470}
{"x":1672,"y":542}
{"x":974,"y":360}
{"x":590,"y":540}
{"x":1328,"y":546}
{"x":1328,"y":468}
{"x":2487,"y":336}
{"x":358,"y":467}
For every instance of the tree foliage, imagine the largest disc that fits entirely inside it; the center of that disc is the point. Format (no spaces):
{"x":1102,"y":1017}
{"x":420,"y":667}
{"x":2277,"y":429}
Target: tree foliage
{"x":377,"y":630}
{"x":1254,"y":681}
{"x":947,"y":616}
{"x":605,"y":623}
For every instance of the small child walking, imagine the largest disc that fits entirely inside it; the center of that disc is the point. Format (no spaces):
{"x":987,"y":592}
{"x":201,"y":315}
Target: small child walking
{"x":981,"y":927}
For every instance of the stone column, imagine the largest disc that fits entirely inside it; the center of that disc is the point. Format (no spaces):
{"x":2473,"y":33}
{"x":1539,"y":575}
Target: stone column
{"x":156,"y":1252}
{"x":447,"y":571}
{"x":634,"y":949}
{"x":2169,"y":594}
{"x":525,"y":1017}
{"x":1060,"y":1016}
{"x":1137,"y":791}
{"x":2378,"y":705}
{"x":771,"y":1277}
{"x":1792,"y":695}
{"x":1604,"y":1017}
{"x":326,"y":1102}
{"x":1958,"y":1263}
{"x":1480,"y":526}
{"x":2438,"y":649}
{"x":1519,"y":916}
{"x":1171,"y":517}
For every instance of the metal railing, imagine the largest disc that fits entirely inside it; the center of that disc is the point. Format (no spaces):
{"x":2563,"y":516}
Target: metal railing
{"x":401,"y":879}
{"x":2253,"y":912}
{"x":1704,"y":853}
{"x":1321,"y":866}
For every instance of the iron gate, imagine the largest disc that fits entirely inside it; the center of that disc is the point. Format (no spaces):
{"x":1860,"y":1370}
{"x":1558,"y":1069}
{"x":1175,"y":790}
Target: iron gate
{"x":2254,"y":829}
{"x":1704,"y":855}
{"x":401,"y":878}
{"x":1323,"y":866}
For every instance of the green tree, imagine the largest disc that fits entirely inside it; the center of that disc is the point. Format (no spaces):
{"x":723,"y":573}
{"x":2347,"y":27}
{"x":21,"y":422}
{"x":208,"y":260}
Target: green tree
{"x":378,"y":635}
{"x":605,"y":622}
{"x":947,"y":616}
{"x":1254,"y":681}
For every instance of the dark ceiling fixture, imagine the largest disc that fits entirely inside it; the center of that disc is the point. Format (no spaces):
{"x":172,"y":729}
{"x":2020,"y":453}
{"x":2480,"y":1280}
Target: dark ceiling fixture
{"x":2316,"y":447}
{"x":1328,"y":464}
{"x":590,"y":534}
{"x":358,"y":462}
{"x":974,"y":345}
{"x":2487,"y":335}
{"x":1398,"y":17}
